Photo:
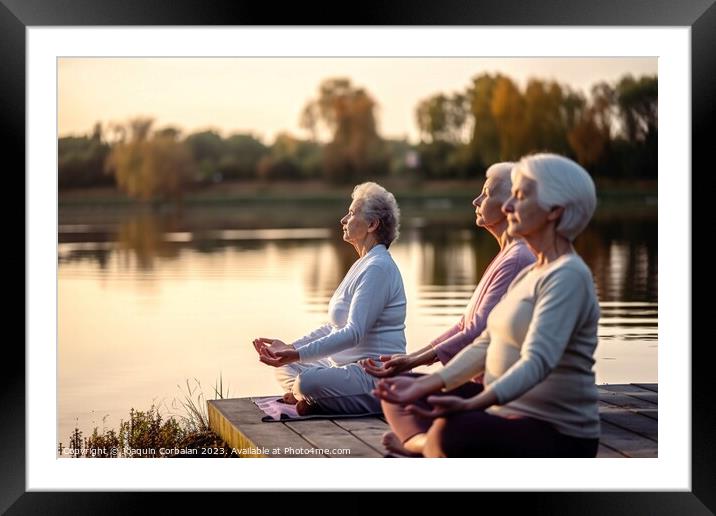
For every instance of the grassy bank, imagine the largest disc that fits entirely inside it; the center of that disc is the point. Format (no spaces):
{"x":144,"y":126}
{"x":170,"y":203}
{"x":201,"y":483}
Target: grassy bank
{"x":319,"y":191}
{"x":292,"y":205}
{"x":150,"y":434}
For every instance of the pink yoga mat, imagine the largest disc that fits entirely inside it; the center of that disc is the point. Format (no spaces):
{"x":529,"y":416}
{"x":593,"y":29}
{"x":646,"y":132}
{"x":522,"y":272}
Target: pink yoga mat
{"x":276,"y":411}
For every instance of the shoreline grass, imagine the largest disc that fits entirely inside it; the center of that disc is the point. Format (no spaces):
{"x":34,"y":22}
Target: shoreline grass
{"x":149,"y":434}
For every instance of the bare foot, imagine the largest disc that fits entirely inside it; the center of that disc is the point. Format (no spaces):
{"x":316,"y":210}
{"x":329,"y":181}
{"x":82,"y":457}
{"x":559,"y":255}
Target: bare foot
{"x":305,"y":409}
{"x":289,"y":398}
{"x":395,"y":447}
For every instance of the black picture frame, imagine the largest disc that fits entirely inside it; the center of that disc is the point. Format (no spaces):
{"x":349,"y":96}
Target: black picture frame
{"x":17,"y":15}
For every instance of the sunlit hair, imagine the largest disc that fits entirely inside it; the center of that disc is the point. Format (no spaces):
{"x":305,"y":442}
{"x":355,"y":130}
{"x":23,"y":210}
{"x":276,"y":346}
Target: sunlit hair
{"x":561,"y":182}
{"x":501,"y":174}
{"x":377,"y":203}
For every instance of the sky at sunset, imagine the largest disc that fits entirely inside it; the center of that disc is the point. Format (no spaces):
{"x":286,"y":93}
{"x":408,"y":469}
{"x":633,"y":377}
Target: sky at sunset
{"x":265,"y":96}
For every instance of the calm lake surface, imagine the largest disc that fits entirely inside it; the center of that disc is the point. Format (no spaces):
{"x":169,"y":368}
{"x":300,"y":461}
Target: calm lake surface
{"x":148,"y":300}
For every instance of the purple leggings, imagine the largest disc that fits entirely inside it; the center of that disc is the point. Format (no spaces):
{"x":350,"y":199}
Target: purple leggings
{"x":475,"y":433}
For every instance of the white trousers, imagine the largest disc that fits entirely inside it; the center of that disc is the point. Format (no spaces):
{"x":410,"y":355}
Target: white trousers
{"x":334,"y":389}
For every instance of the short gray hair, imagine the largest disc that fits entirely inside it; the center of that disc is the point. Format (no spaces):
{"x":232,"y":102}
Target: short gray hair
{"x":377,"y":203}
{"x":561,"y":182}
{"x":501,"y":172}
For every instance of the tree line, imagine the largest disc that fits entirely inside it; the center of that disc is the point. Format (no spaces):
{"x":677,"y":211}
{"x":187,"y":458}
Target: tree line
{"x":612,"y":132}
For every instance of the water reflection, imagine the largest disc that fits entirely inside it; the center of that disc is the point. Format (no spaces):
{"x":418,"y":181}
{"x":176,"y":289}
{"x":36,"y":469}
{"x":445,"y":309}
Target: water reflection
{"x":144,"y":239}
{"x":623,"y":257}
{"x":446,"y":263}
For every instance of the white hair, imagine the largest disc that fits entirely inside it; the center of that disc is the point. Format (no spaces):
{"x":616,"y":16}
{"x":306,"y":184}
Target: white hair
{"x":377,"y":203}
{"x":561,"y":182}
{"x":501,"y":172}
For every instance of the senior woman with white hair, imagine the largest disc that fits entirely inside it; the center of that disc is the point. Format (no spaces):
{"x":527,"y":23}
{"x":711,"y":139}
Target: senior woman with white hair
{"x":320,"y":372}
{"x":514,"y":255}
{"x":540,"y":397}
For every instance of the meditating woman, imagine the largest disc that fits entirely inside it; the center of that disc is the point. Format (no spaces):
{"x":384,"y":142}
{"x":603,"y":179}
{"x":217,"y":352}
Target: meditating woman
{"x":320,"y":372}
{"x":539,"y":397}
{"x":514,"y":255}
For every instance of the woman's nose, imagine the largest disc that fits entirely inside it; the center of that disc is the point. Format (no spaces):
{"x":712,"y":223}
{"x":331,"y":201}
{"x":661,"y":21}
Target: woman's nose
{"x":507,"y":206}
{"x":477,"y":200}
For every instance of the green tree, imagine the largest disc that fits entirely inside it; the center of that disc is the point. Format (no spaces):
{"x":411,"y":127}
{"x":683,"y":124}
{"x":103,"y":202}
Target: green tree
{"x":80,"y":161}
{"x":442,"y":160}
{"x":400,"y":161}
{"x":291,"y":158}
{"x":637,"y":101}
{"x":207,"y":149}
{"x":638,"y":106}
{"x":443,"y":118}
{"x":443,"y":121}
{"x":241,"y":156}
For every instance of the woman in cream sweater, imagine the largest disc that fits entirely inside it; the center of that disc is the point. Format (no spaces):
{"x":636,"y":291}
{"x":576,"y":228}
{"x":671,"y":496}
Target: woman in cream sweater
{"x":539,"y":397}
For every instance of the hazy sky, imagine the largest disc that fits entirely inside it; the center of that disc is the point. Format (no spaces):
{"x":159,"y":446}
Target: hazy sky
{"x":265,"y":96}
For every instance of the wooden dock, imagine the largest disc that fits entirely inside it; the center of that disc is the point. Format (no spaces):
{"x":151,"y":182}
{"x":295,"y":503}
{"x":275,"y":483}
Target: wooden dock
{"x":629,"y":417}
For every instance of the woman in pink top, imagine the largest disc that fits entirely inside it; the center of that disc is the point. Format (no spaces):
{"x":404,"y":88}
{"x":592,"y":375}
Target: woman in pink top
{"x":514,"y":256}
{"x":537,"y":352}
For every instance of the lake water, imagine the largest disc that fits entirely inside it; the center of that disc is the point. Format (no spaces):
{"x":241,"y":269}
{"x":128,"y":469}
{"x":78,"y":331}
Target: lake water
{"x":147,"y":301}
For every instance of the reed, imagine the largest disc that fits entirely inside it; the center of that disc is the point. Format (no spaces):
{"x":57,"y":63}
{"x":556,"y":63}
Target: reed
{"x":149,"y":434}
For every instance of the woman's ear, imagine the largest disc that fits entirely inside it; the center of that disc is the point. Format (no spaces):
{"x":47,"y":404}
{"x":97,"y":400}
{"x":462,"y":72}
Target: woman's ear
{"x":373,"y":225}
{"x":555,"y":213}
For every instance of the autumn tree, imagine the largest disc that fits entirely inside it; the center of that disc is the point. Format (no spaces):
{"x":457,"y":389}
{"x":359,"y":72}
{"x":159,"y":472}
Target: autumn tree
{"x":591,"y":135}
{"x":612,"y":131}
{"x":150,"y":166}
{"x":546,"y":121}
{"x":484,"y":144}
{"x":356,"y":151}
{"x":508,"y":111}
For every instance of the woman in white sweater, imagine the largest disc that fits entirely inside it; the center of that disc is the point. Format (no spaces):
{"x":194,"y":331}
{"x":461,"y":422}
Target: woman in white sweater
{"x":539,"y":397}
{"x":319,"y":372}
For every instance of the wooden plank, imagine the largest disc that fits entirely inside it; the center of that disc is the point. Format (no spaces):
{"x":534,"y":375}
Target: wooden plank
{"x":638,"y":391}
{"x":625,"y":401}
{"x":652,"y":413}
{"x":626,"y":442}
{"x":649,"y":386}
{"x":238,"y":422}
{"x":368,"y":430}
{"x":328,"y":436}
{"x":628,"y":413}
{"x":651,"y":397}
{"x":605,"y":452}
{"x":631,"y":421}
{"x":362,"y":423}
{"x":624,"y":388}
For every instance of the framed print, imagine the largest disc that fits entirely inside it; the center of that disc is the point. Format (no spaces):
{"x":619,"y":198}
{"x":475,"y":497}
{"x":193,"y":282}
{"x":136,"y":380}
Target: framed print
{"x":45,"y":45}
